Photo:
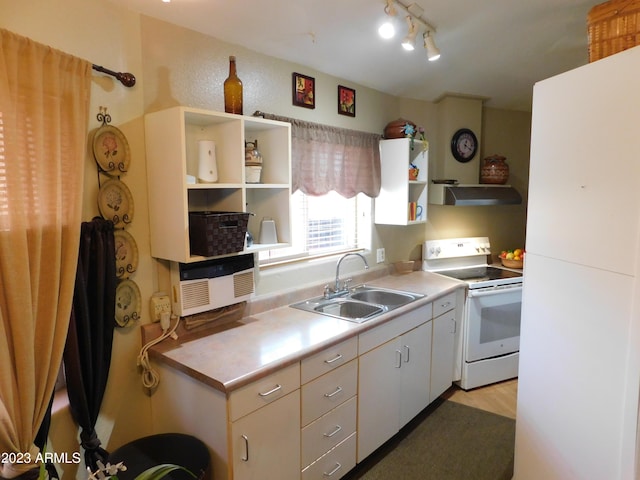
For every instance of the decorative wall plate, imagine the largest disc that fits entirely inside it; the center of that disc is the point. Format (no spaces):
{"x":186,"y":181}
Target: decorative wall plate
{"x":115,"y":203}
{"x":128,"y":301}
{"x":126,"y":254}
{"x":111,"y":150}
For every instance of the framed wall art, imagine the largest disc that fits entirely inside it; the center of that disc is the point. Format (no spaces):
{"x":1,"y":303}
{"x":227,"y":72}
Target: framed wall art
{"x":346,"y":101}
{"x":304,"y":91}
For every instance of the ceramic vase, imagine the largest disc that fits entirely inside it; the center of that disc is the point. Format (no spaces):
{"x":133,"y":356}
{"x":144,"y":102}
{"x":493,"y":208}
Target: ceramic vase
{"x":494,"y":170}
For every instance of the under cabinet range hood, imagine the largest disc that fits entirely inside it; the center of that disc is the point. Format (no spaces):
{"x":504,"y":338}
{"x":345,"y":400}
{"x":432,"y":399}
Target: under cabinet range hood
{"x":473,"y":195}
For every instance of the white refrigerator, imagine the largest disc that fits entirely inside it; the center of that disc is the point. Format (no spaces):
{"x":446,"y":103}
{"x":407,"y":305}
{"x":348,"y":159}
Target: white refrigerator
{"x":579,"y":376}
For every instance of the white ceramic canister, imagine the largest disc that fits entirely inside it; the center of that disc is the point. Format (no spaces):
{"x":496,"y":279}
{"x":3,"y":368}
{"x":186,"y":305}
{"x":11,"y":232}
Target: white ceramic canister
{"x":253,"y":173}
{"x":207,"y":165}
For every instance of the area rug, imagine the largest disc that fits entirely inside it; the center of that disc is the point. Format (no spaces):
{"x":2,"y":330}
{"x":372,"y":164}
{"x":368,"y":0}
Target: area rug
{"x":447,"y":441}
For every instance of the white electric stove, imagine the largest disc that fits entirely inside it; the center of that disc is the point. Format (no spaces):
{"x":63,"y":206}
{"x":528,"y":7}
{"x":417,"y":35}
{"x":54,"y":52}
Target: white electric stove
{"x":491,"y":318}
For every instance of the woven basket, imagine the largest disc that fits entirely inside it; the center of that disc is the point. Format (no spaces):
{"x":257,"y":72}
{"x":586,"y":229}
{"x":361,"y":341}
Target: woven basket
{"x":613,"y":26}
{"x":512,"y":263}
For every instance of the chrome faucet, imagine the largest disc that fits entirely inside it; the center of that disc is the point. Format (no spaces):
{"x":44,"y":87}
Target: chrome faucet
{"x":336,"y":288}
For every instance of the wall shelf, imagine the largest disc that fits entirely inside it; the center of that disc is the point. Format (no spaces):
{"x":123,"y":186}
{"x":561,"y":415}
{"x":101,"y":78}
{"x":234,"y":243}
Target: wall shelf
{"x":172,"y":137}
{"x":397,"y":191}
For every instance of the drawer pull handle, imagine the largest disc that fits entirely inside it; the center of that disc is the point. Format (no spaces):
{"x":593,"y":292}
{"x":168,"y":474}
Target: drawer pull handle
{"x":445,"y":305}
{"x":337,"y":357}
{"x":329,"y":474}
{"x":337,"y":391}
{"x":273,"y":390}
{"x":329,"y":435}
{"x":245,"y":458}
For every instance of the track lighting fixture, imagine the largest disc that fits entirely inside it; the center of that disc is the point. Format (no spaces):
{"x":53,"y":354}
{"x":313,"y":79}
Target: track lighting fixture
{"x":415,"y":23}
{"x":433,"y":52}
{"x":388,"y":29}
{"x":409,"y":41}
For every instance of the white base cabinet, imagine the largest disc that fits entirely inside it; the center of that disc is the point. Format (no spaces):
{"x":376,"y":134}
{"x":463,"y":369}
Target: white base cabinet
{"x":329,"y":411}
{"x":254,"y":433}
{"x":265,"y":443}
{"x":319,"y":417}
{"x":393,"y":377}
{"x":415,"y":349}
{"x":445,"y":329}
{"x":379,"y":413}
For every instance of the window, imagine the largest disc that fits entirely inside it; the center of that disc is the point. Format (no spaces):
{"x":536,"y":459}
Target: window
{"x":327,"y":160}
{"x":323,"y":225}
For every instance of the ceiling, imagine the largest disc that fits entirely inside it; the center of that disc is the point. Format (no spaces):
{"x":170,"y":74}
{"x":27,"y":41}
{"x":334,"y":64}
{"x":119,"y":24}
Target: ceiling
{"x":492,"y":48}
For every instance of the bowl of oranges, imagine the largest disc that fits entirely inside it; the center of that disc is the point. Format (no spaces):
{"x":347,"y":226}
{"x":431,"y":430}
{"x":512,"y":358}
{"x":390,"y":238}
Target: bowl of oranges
{"x":512,"y":258}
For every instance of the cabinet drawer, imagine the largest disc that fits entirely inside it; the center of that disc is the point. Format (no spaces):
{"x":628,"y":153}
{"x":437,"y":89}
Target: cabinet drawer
{"x":444,"y":304}
{"x":393,"y":328}
{"x":329,"y":359}
{"x":335,"y":463}
{"x":328,"y":431}
{"x":264,"y":391}
{"x":329,"y":391}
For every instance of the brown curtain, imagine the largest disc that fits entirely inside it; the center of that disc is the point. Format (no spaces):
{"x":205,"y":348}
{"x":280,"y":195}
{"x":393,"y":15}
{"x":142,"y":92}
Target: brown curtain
{"x":326,"y":158}
{"x":44,"y":101}
{"x":87,"y":355}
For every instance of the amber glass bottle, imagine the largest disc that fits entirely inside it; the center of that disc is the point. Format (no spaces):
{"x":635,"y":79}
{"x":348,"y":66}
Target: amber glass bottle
{"x":233,"y":90}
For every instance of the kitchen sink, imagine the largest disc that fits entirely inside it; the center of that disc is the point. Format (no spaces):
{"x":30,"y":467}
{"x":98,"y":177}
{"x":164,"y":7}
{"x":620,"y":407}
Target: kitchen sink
{"x":383,"y":297}
{"x":348,"y":309}
{"x":358,"y":304}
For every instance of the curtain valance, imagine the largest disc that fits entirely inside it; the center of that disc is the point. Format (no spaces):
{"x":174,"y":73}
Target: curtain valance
{"x":326,"y":158}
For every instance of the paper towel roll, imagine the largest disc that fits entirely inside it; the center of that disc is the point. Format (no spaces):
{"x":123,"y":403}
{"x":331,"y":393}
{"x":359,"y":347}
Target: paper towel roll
{"x":207,"y":166}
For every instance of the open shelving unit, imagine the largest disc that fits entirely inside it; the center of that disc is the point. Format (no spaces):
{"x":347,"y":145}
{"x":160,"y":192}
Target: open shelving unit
{"x":172,"y":137}
{"x":397,"y":191}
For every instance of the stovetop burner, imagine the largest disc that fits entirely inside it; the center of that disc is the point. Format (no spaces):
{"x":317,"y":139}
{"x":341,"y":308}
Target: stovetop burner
{"x":480,"y":274}
{"x":465,"y":259}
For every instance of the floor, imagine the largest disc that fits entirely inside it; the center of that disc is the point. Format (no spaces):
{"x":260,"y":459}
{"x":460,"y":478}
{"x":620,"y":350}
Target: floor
{"x":500,"y":398}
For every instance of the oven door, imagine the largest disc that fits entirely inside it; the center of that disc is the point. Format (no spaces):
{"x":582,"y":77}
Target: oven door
{"x":493,"y":322}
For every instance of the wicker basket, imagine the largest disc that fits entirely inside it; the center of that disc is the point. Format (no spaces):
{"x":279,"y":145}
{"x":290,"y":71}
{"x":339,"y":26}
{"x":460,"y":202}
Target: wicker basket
{"x":613,"y":26}
{"x":217,"y":233}
{"x":512,"y":263}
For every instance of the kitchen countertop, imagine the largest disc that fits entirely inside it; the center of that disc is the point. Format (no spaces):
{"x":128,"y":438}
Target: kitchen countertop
{"x":262,"y":343}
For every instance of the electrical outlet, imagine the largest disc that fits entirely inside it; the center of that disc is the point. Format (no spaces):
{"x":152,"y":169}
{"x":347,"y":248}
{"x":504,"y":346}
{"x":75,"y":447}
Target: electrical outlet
{"x":380,"y":255}
{"x":159,"y":304}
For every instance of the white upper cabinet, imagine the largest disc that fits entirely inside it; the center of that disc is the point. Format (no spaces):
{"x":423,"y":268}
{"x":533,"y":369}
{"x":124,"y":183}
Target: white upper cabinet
{"x":584,"y":201}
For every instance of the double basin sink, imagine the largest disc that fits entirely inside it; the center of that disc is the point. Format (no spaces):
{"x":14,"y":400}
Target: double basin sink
{"x":358,"y":304}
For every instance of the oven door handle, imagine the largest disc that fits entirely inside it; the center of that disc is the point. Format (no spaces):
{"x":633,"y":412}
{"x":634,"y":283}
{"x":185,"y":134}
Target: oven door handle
{"x":485,"y":292}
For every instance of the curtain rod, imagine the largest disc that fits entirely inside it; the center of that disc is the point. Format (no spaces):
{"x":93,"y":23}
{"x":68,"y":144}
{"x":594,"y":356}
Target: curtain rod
{"x":127,"y":79}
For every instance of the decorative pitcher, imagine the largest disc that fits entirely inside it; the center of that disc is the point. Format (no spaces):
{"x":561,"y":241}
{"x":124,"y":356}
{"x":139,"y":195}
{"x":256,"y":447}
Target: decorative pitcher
{"x":494,"y":170}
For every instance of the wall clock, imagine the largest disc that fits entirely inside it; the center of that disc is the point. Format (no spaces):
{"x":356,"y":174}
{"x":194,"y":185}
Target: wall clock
{"x":464,"y":145}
